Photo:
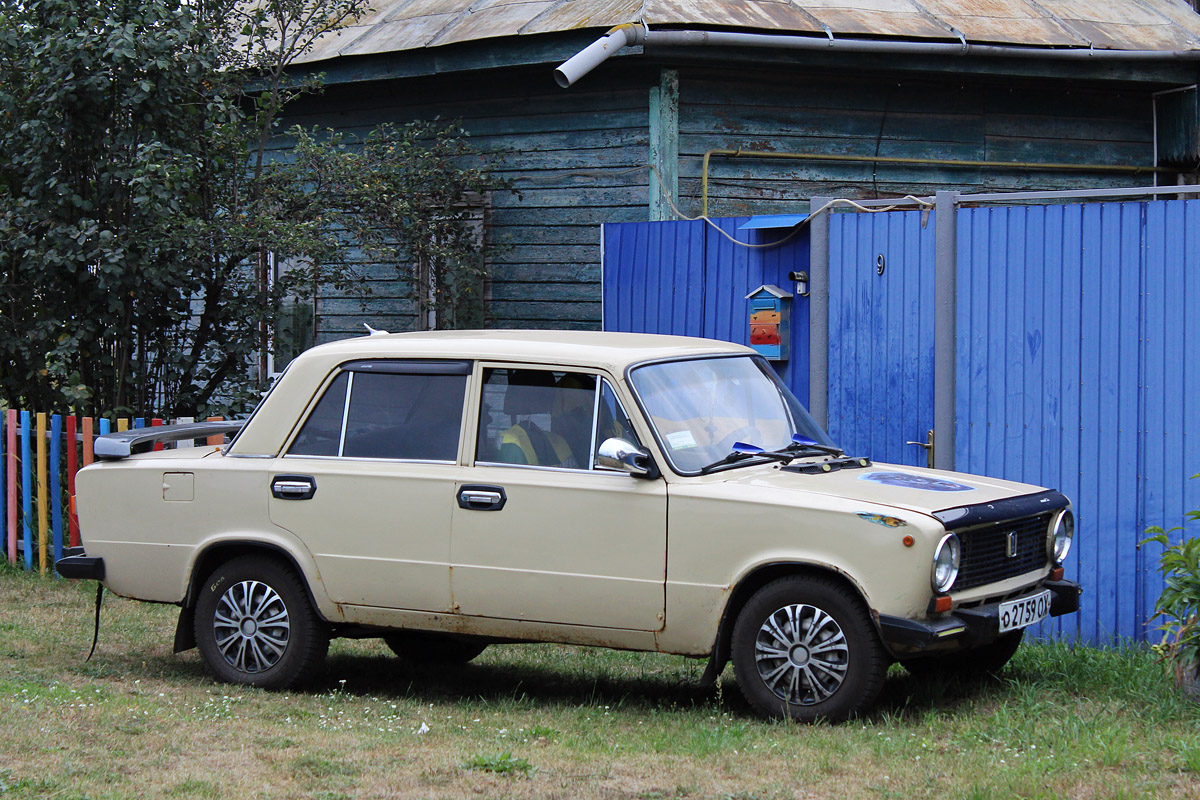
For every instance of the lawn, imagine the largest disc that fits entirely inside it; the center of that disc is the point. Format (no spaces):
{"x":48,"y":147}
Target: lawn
{"x":550,"y":721}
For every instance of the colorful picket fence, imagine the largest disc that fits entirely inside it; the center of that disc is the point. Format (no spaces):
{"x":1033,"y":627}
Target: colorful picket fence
{"x":39,"y":456}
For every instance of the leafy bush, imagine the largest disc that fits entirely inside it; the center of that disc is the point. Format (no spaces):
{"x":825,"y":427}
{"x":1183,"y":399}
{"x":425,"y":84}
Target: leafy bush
{"x":1179,"y":603}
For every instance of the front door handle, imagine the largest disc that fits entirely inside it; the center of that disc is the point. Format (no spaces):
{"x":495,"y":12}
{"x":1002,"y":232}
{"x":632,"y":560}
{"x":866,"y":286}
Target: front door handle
{"x":475,"y":497}
{"x":293,"y":487}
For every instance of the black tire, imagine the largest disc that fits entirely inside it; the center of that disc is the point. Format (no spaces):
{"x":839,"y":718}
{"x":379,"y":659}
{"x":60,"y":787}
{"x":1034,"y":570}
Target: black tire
{"x":432,"y":648}
{"x":971,"y":664}
{"x":274,"y":641}
{"x":787,"y":617}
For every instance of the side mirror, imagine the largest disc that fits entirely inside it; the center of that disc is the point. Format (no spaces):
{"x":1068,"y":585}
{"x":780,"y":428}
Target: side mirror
{"x":625,"y":456}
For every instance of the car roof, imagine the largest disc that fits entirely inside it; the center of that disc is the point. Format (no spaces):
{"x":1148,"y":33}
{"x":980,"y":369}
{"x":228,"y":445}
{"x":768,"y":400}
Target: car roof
{"x":265,"y":433}
{"x":597,"y":349}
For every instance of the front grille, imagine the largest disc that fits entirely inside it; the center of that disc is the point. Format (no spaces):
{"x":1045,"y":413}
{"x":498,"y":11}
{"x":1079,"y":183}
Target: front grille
{"x":985,"y":557}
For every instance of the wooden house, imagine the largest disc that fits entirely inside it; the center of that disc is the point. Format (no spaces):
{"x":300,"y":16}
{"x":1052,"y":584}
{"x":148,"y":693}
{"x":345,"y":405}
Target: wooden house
{"x":730,"y":107}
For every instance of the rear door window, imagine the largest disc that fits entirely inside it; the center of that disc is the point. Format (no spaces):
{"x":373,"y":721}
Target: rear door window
{"x":394,"y":410}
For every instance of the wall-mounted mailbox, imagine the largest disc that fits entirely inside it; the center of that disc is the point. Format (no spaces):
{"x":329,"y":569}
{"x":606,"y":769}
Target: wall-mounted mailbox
{"x":770,"y":312}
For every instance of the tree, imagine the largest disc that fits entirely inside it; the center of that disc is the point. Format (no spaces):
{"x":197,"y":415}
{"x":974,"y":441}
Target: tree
{"x":98,"y":117}
{"x":139,"y":201}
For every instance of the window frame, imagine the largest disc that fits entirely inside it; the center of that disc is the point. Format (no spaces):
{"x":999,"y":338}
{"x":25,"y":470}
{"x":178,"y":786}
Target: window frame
{"x":601,"y":377}
{"x":387,"y":366}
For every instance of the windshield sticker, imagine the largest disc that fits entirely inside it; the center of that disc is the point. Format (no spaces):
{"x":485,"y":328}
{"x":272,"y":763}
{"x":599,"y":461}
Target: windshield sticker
{"x":879,"y":519}
{"x":681,"y":440}
{"x":910,"y":481}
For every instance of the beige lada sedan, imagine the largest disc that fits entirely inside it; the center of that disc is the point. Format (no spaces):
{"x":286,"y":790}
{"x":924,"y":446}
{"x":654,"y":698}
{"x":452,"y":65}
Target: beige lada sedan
{"x":445,"y":491}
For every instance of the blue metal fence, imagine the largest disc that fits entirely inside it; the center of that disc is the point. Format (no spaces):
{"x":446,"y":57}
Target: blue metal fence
{"x":687,"y":278}
{"x":1075,"y":356}
{"x":1077,"y":360}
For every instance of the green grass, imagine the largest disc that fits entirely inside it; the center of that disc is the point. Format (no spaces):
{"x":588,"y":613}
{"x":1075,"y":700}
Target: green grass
{"x":503,"y":764}
{"x":138,"y":721}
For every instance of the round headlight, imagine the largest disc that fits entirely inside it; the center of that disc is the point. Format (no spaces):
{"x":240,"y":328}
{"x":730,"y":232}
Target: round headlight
{"x":945,"y":563}
{"x":1062,"y":531}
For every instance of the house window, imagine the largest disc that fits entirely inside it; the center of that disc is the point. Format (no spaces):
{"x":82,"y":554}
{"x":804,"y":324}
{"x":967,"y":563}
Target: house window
{"x":452,"y":301}
{"x":294,"y":329}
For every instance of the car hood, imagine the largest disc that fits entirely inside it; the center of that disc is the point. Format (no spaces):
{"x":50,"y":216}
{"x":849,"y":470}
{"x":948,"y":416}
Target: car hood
{"x":909,"y":488}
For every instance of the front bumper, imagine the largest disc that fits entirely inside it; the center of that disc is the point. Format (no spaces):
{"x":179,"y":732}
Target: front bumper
{"x":965,"y":628}
{"x":75,"y":564}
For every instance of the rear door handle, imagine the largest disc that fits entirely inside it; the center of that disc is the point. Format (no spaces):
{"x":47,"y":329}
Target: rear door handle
{"x":293,"y":487}
{"x":475,"y":497}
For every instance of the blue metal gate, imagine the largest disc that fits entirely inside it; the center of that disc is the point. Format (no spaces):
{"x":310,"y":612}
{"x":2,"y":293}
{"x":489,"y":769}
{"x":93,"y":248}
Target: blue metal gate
{"x":881,"y":333}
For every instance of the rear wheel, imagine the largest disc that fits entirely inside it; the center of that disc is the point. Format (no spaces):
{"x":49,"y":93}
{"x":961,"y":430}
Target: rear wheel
{"x":254,"y":625}
{"x":805,"y":648}
{"x":432,"y":648}
{"x":976,"y":662}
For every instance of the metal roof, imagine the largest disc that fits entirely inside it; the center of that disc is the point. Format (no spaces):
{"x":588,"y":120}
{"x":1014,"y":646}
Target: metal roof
{"x":1142,"y":25}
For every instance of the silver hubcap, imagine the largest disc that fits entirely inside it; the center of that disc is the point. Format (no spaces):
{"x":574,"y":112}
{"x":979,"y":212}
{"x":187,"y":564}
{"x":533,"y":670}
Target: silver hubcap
{"x":251,"y":626}
{"x":801,"y":654}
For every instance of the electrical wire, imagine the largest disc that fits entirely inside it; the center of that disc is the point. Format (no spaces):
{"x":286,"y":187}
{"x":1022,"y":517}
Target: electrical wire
{"x":682,"y":216}
{"x":799,"y":225}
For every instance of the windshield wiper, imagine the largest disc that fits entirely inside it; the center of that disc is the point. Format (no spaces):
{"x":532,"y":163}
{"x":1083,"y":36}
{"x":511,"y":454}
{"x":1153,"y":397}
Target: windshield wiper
{"x":802,"y":443}
{"x":734,"y":457}
{"x":742,"y":451}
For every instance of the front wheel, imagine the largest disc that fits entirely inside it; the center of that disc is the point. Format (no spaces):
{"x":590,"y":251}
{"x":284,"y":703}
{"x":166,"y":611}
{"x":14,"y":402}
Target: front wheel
{"x":805,"y":649}
{"x":255,"y":626}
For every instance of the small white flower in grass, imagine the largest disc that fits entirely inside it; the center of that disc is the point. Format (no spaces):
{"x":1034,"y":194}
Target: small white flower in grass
{"x":423,"y":729}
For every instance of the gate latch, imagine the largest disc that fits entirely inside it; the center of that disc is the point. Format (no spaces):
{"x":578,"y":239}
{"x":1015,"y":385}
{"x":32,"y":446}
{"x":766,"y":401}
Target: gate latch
{"x":928,"y":445}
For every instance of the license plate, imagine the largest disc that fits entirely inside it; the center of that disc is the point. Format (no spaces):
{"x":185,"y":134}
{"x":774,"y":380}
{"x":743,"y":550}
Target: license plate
{"x":1024,"y":612}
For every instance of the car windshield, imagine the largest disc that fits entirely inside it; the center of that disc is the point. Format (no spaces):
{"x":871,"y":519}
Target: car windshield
{"x":700,"y":407}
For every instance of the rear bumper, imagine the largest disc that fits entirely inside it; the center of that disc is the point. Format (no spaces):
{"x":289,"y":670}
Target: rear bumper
{"x":965,"y":627}
{"x":75,"y":564}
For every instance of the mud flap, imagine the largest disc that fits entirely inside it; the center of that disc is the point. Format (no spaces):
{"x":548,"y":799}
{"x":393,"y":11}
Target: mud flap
{"x":96,"y":631}
{"x":185,"y":630}
{"x":716,"y":665}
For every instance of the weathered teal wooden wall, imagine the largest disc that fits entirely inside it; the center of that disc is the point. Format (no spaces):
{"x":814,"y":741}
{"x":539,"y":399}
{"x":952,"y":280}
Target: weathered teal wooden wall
{"x":569,"y":155}
{"x":929,"y":118}
{"x":579,"y":157}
